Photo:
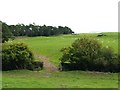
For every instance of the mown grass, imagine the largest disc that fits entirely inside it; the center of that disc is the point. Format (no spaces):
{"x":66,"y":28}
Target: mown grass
{"x":68,"y":79}
{"x":50,"y":47}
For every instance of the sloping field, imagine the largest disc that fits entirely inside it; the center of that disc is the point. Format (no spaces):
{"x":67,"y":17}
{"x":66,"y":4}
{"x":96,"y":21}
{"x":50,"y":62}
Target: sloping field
{"x":50,"y":48}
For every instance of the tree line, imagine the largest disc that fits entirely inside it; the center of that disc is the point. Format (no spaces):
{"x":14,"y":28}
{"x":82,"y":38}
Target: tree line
{"x":10,"y":31}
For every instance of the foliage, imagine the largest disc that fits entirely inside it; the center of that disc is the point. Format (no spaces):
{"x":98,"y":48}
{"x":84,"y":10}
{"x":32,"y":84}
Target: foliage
{"x":6,"y":33}
{"x":16,"y":56}
{"x":10,"y":31}
{"x":88,"y":54}
{"x":36,"y":30}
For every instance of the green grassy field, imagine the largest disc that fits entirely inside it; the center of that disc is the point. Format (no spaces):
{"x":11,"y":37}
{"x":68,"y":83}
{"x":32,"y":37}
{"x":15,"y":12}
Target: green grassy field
{"x":69,"y":79}
{"x":50,"y":47}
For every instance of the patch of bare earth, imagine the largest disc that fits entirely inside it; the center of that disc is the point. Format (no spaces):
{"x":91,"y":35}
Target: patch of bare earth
{"x":47,"y":64}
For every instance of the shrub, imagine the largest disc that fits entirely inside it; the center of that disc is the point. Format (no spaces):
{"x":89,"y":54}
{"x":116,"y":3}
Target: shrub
{"x":110,"y":59}
{"x":88,"y":54}
{"x":16,"y":56}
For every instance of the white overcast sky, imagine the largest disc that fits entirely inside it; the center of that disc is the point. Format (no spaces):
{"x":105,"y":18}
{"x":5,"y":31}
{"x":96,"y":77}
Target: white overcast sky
{"x":80,"y":15}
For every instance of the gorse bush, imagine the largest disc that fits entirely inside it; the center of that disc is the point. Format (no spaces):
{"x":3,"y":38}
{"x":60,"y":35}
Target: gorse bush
{"x":16,"y":56}
{"x":88,"y":54}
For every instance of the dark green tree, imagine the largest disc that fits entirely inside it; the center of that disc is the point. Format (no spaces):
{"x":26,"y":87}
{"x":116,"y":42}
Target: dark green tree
{"x":36,"y":30}
{"x":6,"y":33}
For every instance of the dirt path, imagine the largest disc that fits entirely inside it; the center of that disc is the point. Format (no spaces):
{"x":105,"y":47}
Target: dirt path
{"x":48,"y":66}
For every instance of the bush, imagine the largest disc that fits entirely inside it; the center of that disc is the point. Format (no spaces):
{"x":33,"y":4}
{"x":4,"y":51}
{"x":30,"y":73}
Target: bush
{"x":88,"y":54}
{"x":16,"y":56}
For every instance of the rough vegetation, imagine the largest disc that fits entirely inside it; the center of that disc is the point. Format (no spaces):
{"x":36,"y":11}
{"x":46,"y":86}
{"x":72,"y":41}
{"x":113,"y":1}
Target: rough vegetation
{"x":88,"y":54}
{"x":18,"y":56}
